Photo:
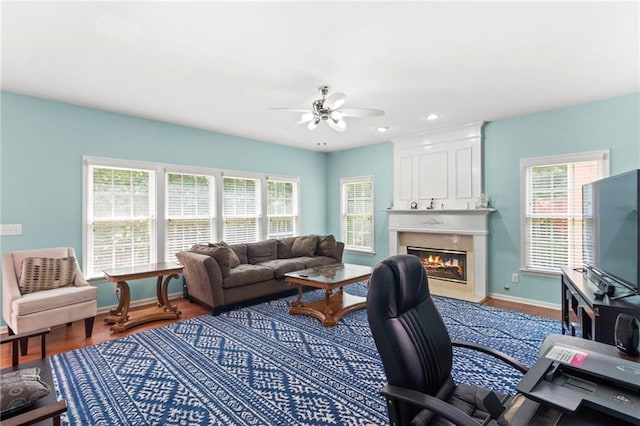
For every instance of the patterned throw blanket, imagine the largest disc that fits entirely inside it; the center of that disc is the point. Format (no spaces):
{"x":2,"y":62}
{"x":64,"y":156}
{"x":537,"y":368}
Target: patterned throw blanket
{"x":261,"y":366}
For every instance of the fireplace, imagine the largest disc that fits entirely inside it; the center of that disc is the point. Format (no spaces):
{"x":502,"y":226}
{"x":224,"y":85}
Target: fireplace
{"x":447,"y":265}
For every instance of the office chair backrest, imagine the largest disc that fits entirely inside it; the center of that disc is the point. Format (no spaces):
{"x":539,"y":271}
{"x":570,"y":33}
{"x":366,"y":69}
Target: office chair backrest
{"x":407,"y":328}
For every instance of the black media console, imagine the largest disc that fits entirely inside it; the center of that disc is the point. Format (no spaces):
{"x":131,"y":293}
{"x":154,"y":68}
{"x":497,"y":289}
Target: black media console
{"x":596,"y":316}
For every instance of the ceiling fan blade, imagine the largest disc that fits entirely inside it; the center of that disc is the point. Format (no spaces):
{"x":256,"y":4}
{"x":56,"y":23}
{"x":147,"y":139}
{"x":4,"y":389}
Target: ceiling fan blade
{"x":361,"y":112}
{"x":337,"y":125}
{"x":313,"y":124}
{"x":334,"y":100}
{"x":293,"y":109}
{"x":306,"y":117}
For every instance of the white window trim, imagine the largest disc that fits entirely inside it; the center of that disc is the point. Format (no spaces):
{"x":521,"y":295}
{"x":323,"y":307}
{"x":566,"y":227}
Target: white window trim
{"x":360,"y":179}
{"x":296,"y":206}
{"x":159,"y":198}
{"x":598,"y":155}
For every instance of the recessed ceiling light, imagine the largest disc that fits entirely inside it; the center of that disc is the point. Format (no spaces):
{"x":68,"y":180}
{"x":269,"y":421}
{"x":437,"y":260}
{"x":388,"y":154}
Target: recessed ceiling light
{"x":382,"y":129}
{"x":433,"y":116}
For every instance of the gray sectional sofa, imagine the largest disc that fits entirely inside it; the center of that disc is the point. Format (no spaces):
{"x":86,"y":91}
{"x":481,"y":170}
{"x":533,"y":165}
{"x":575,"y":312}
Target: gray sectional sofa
{"x":219,"y":275}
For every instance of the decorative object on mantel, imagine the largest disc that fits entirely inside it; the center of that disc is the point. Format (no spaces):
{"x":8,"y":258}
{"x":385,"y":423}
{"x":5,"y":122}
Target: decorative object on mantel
{"x":414,"y":205}
{"x":430,"y":205}
{"x":482,"y":202}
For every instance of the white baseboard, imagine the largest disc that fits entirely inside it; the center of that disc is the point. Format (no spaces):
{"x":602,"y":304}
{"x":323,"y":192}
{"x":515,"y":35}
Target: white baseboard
{"x":524,"y":301}
{"x":105,"y":309}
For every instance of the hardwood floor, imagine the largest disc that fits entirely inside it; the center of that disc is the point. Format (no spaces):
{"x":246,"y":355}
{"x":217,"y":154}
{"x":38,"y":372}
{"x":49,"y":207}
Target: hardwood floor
{"x":62,"y":338}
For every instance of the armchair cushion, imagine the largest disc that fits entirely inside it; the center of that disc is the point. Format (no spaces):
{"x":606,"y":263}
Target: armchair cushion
{"x":52,"y":299}
{"x":21,"y":388}
{"x":45,"y":273}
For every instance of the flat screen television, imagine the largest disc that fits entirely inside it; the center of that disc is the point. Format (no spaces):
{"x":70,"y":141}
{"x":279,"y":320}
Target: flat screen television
{"x":611,"y":243}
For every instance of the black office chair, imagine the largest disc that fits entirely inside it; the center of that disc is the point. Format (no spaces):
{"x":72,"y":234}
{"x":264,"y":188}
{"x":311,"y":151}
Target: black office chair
{"x":417,"y":352}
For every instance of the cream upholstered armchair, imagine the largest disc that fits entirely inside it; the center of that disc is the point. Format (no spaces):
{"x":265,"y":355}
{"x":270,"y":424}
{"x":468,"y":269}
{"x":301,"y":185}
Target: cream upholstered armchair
{"x":43,"y":288}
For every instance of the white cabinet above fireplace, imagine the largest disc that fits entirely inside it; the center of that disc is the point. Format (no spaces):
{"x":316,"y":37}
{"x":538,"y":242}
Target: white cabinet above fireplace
{"x":441,"y":169}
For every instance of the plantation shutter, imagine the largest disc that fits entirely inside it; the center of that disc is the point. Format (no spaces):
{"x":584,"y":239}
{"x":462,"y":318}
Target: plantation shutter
{"x":190,"y":211}
{"x":281,"y":209}
{"x":358,"y":214}
{"x":120,"y":218}
{"x":554,"y":213}
{"x":240,"y":202}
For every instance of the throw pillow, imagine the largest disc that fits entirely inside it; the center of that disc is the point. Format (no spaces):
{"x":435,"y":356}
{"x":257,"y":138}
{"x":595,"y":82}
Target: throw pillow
{"x":234,"y":260}
{"x":327,"y":246}
{"x":262,"y":251}
{"x":221,"y":255}
{"x":241,"y":251}
{"x":304,"y":246}
{"x":21,"y":388}
{"x":284,"y":247}
{"x":46,"y":273}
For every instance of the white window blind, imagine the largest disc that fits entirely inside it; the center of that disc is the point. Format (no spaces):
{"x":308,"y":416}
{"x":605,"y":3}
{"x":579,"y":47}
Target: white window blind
{"x":121,"y":219}
{"x":240,"y":209}
{"x":190,"y":211}
{"x":553,"y":212}
{"x":281,"y":209}
{"x":357,"y":219}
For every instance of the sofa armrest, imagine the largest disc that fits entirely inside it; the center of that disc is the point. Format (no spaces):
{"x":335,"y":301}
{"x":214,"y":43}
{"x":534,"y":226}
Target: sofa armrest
{"x":203,"y":276}
{"x":339,"y":251}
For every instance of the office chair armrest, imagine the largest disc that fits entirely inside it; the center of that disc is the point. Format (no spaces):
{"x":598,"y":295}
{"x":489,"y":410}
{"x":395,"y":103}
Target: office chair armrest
{"x":493,"y":352}
{"x":438,"y":406}
{"x":37,"y":415}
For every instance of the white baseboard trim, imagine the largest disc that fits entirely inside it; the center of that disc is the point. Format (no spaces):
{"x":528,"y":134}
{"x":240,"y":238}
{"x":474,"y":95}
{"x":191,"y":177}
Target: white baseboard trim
{"x":525,"y":301}
{"x":4,"y":329}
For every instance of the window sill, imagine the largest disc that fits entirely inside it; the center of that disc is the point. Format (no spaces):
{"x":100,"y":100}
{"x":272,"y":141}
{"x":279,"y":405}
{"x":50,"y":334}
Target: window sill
{"x":539,"y":273}
{"x":359,"y":251}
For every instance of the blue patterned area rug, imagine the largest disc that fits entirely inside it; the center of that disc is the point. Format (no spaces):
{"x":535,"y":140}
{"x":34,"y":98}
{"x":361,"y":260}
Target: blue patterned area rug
{"x":261,"y":366}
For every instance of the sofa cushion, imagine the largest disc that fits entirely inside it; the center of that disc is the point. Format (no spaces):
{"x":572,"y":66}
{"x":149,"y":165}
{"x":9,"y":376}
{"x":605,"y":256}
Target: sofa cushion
{"x":304,"y":246}
{"x":262,"y":251}
{"x":46,"y":273}
{"x":246,"y":274}
{"x":282,"y":266}
{"x":284,"y":247}
{"x":240,"y":251}
{"x":234,"y":260}
{"x":327,"y":246}
{"x":315,"y":261}
{"x":221,"y":254}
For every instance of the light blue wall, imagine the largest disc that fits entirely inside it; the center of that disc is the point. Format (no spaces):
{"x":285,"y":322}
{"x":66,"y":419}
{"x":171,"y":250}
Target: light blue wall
{"x":612,"y":124}
{"x":42,"y":144}
{"x":41,"y":169}
{"x":374,"y":160}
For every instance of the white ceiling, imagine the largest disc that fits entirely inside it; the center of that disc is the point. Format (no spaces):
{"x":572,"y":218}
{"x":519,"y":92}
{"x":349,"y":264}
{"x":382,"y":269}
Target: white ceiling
{"x":221,"y":66}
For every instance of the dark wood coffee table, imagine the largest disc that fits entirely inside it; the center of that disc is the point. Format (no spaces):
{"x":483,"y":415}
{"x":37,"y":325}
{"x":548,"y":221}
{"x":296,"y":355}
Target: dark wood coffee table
{"x":329,"y":277}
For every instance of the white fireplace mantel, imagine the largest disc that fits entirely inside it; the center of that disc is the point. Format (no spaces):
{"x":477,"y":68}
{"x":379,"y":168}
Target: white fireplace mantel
{"x":471,"y":222}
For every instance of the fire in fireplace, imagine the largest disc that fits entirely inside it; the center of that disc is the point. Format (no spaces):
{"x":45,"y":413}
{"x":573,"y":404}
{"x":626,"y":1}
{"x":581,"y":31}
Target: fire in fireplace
{"x":448,"y":265}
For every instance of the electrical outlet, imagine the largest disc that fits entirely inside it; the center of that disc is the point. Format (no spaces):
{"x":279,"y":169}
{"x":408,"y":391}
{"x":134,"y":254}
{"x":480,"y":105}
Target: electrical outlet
{"x":515,"y":278}
{"x":11,"y":229}
{"x":506,"y":287}
{"x":116,"y":290}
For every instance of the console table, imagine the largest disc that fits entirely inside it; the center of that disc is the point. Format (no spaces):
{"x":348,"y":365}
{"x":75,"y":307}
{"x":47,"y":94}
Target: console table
{"x":119,"y":317}
{"x":596,"y":317}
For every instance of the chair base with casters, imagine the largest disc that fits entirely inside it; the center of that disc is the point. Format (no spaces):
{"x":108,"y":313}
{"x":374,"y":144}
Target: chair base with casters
{"x":46,"y":408}
{"x":417,"y":353}
{"x":34,"y":310}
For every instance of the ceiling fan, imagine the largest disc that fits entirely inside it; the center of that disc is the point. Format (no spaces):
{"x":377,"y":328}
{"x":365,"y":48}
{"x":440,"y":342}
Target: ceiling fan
{"x":328,"y":109}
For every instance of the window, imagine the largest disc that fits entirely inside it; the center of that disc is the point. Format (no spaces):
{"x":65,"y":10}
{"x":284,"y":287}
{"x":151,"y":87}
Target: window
{"x":552,"y":208}
{"x":120,"y":218}
{"x":240,"y":210}
{"x":357,"y":214}
{"x":282,"y":208}
{"x":138,"y":212}
{"x":190,"y":211}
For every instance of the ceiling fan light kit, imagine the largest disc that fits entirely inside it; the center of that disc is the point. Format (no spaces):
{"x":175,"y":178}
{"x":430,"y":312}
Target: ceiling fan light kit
{"x":326,"y":109}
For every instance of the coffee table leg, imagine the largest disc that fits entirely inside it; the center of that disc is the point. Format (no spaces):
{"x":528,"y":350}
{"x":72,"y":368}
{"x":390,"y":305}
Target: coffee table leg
{"x":298,"y":301}
{"x":327,"y":303}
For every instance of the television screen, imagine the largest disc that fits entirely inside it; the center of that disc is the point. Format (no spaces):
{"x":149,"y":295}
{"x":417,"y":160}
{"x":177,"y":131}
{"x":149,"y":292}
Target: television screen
{"x":610,"y":227}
